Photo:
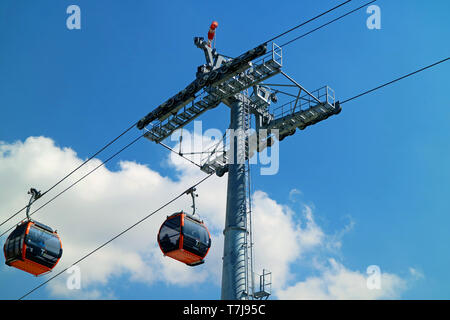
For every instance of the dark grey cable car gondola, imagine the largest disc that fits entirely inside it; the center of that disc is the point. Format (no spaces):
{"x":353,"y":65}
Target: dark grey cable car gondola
{"x":184,"y":237}
{"x":33,"y":247}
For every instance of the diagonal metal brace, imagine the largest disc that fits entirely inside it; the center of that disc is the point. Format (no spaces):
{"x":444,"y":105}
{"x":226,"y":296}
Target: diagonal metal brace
{"x":301,"y":87}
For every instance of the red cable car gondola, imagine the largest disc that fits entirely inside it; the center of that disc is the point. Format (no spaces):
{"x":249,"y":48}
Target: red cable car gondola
{"x":33,"y":247}
{"x":185,"y":238}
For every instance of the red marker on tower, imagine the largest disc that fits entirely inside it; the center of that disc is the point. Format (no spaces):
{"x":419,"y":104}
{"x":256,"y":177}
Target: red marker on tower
{"x":212,"y":32}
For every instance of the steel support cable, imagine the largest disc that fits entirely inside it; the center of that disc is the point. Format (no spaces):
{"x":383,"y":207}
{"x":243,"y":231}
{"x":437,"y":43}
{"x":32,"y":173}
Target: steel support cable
{"x":383,"y":85}
{"x":181,"y":155}
{"x":395,"y":80}
{"x":198,"y":152}
{"x":329,"y":22}
{"x":80,"y":179}
{"x":308,"y":21}
{"x":73,"y":171}
{"x":115,"y":237}
{"x":318,"y":28}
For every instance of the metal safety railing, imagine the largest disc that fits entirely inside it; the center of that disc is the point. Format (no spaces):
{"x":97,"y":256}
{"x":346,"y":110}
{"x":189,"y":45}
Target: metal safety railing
{"x":277,"y":54}
{"x":265,"y":285}
{"x":324,"y":94}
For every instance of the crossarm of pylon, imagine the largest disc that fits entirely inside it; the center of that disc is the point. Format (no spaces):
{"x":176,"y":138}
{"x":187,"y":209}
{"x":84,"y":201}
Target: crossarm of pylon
{"x":212,"y":97}
{"x":303,"y":118}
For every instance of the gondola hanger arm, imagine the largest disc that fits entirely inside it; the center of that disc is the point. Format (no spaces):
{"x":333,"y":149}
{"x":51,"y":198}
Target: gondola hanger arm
{"x":191,"y":191}
{"x":34,"y":196}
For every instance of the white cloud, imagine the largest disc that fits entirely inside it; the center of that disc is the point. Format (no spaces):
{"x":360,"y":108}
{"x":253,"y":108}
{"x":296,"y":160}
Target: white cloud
{"x":279,"y":240}
{"x":416,"y":274}
{"x":108,"y":201}
{"x":336,"y":282}
{"x":285,"y":241}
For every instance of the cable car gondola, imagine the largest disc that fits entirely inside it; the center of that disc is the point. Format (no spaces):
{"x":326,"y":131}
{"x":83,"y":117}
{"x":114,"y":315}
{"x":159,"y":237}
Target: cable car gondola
{"x":184,"y":237}
{"x":33,"y":247}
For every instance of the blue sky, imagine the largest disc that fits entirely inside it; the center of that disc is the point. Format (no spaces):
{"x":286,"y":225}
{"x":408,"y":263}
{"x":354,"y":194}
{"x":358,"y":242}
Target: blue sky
{"x":382,"y":163}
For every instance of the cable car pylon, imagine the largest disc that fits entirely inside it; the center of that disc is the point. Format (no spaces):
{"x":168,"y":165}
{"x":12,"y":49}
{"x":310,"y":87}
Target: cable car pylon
{"x":227,"y":80}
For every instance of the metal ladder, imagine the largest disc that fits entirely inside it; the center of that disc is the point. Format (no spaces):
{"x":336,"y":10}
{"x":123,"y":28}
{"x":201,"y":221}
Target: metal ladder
{"x":249,"y":274}
{"x":250,"y":280}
